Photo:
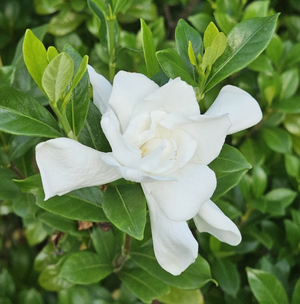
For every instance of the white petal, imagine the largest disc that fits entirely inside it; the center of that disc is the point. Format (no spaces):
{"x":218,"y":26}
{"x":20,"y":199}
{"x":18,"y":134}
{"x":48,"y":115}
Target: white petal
{"x":242,"y":109}
{"x":181,"y":199}
{"x":133,"y":174}
{"x":175,"y":96}
{"x":174,"y":245}
{"x":209,"y":132}
{"x":101,"y":89}
{"x":128,"y":90}
{"x":212,"y":220}
{"x":126,"y":153}
{"x":66,"y":165}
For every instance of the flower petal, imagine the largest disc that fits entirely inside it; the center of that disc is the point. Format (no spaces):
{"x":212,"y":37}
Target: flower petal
{"x":126,"y":153}
{"x":66,"y":165}
{"x":175,"y":96}
{"x":212,"y":220}
{"x":181,"y":199}
{"x":209,"y":132}
{"x":242,"y":109}
{"x":128,"y":90}
{"x":101,"y":89}
{"x":174,"y":245}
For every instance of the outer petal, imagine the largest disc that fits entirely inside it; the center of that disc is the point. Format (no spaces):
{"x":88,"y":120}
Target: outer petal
{"x":181,"y":200}
{"x":175,"y":96}
{"x":212,"y":220}
{"x":242,"y":109}
{"x":128,"y":90}
{"x":66,"y":165}
{"x":101,"y":89}
{"x":209,"y":132}
{"x":174,"y":245}
{"x":126,"y":153}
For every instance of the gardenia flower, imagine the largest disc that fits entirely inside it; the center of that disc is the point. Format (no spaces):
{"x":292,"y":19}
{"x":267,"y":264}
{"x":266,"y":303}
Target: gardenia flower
{"x":159,"y":139}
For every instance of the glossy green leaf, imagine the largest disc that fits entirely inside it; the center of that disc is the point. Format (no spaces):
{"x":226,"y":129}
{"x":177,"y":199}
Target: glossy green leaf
{"x":142,"y":284}
{"x":57,"y":76}
{"x":85,"y":267}
{"x":260,"y":179}
{"x":91,"y":134}
{"x":227,"y":276}
{"x":291,"y":123}
{"x":35,"y":57}
{"x":35,"y":233}
{"x":291,"y":105}
{"x":125,"y":207}
{"x":195,"y":276}
{"x":184,"y":34}
{"x":277,"y":139}
{"x":252,"y":151}
{"x":173,"y":66}
{"x":229,"y":167}
{"x":21,"y":114}
{"x":275,"y":50}
{"x":290,"y":83}
{"x":104,"y":243}
{"x":256,"y":9}
{"x":21,"y":144}
{"x":180,"y":296}
{"x":47,"y":256}
{"x":8,"y":189}
{"x":75,"y":293}
{"x":244,"y":43}
{"x":225,"y":21}
{"x":82,"y":204}
{"x":296,"y":293}
{"x":261,"y":64}
{"x":149,"y":50}
{"x":77,"y":107}
{"x":266,"y":287}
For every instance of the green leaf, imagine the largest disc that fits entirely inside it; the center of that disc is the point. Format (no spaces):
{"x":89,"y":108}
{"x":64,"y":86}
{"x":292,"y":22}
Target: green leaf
{"x":91,"y":134}
{"x":125,"y":207}
{"x":149,"y":49}
{"x":78,"y":107}
{"x":256,"y":9}
{"x":35,"y":57}
{"x":210,"y":34}
{"x":275,"y":50}
{"x":227,"y":276}
{"x":179,"y":296}
{"x":60,"y":223}
{"x":51,"y":53}
{"x":21,"y":144}
{"x":78,"y":294}
{"x":291,"y":123}
{"x":30,"y":296}
{"x":173,"y":66}
{"x":296,"y":293}
{"x":290,"y":105}
{"x":83,"y":204}
{"x":260,"y":180}
{"x":290,"y":83}
{"x":104,"y":243}
{"x":229,"y":167}
{"x":46,"y":257}
{"x":200,"y":21}
{"x":57,"y":76}
{"x":7,"y":75}
{"x":252,"y":151}
{"x":21,"y":114}
{"x":266,"y":287}
{"x":184,"y":34}
{"x":277,"y":139}
{"x":7,"y":285}
{"x":244,"y":43}
{"x":195,"y":276}
{"x":8,"y":189}
{"x":85,"y":267}
{"x":35,"y":233}
{"x":143,"y":285}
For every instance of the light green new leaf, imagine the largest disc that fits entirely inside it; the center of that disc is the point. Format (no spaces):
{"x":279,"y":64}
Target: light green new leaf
{"x":35,"y":57}
{"x":210,"y":34}
{"x":57,"y":76}
{"x":85,"y":267}
{"x":125,"y":207}
{"x":149,"y":50}
{"x":173,"y":66}
{"x":229,"y":167}
{"x":142,"y":284}
{"x":51,"y":53}
{"x":180,"y":296}
{"x":195,"y":276}
{"x":244,"y":43}
{"x":266,"y":287}
{"x":21,"y":114}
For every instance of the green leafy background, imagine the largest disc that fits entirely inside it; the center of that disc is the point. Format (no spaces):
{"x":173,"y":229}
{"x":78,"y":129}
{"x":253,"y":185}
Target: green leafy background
{"x":68,"y":249}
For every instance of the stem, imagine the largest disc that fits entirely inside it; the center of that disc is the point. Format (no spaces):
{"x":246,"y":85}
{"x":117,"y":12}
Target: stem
{"x":125,"y":252}
{"x":64,"y":122}
{"x":111,"y":44}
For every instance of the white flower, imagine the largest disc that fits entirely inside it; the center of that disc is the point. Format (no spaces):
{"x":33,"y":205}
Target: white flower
{"x":159,"y":139}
